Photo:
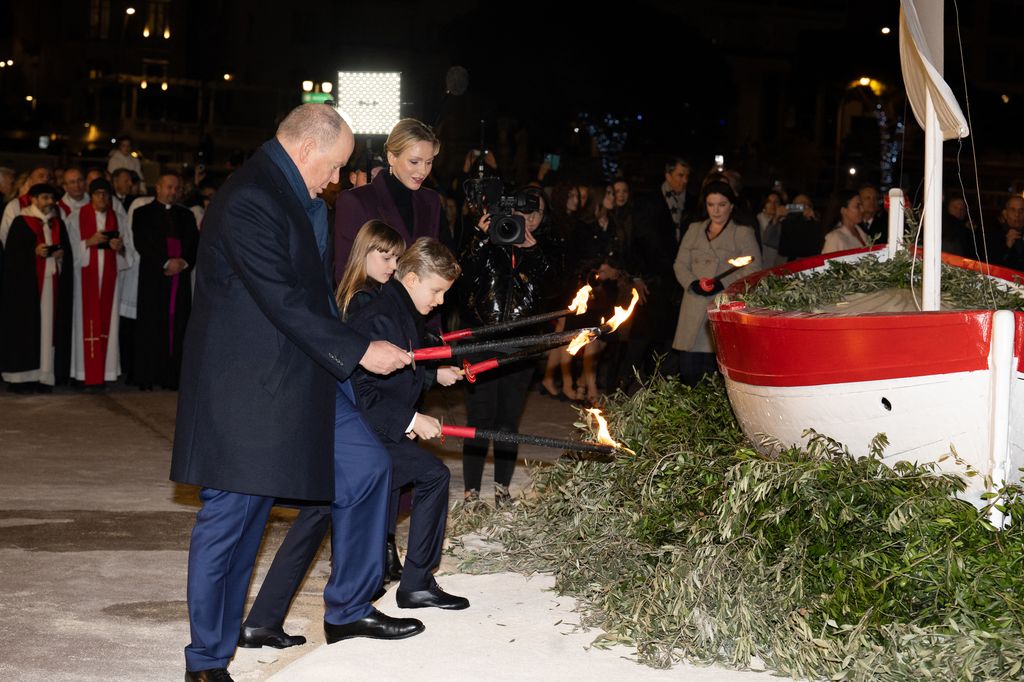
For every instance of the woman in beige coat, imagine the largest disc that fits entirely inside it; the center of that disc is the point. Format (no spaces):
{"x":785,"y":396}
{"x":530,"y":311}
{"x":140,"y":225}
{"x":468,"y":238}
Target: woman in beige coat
{"x":704,"y":252}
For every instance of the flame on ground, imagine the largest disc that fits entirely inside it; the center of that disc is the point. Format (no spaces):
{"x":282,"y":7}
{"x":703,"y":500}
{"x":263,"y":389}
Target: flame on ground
{"x":603,"y":436}
{"x":741,"y":261}
{"x":579,"y":304}
{"x":582,"y":339}
{"x":621,"y":314}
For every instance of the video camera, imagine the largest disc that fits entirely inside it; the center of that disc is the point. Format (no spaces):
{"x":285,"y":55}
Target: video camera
{"x":489,"y":194}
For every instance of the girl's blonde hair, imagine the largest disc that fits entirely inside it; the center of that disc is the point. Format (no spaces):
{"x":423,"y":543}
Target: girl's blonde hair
{"x":374,"y":235}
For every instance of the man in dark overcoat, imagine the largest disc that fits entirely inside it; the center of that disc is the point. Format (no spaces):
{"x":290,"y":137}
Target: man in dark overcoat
{"x":265,"y":397}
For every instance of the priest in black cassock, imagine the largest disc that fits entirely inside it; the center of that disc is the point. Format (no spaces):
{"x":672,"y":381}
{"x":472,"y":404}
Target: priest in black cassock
{"x":35,"y":312}
{"x":166,"y":239}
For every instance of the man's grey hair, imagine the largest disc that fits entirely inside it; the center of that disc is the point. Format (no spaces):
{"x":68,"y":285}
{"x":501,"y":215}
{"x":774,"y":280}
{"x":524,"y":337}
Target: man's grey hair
{"x":318,"y":121}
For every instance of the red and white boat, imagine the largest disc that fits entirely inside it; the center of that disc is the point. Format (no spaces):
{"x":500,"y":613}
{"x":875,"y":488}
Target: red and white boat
{"x":930,"y":380}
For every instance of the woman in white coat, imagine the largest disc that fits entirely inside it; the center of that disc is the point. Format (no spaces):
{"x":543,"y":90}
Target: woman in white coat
{"x":847,"y":234}
{"x":704,"y":253}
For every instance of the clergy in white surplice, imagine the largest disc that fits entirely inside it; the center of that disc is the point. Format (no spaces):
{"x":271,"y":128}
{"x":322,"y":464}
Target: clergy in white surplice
{"x":96,"y":234}
{"x":75,"y":196}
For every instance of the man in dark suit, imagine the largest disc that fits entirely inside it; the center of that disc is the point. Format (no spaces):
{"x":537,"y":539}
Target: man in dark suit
{"x":265,"y":399}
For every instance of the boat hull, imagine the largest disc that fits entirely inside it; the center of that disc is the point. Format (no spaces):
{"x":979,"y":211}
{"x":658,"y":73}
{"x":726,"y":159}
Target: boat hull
{"x":932,"y":382}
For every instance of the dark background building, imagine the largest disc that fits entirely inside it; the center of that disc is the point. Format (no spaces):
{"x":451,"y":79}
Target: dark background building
{"x":773,"y":85}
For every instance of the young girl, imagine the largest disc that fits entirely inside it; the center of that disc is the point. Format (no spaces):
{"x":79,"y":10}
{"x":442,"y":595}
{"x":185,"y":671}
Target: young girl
{"x":373,"y":260}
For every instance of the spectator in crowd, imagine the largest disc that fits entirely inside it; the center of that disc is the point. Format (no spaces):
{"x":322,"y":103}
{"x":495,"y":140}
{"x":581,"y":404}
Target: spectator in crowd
{"x":122,"y":156}
{"x":165,"y":237}
{"x":769,"y":221}
{"x":704,"y":252}
{"x":599,"y":253}
{"x":7,"y":187}
{"x":75,"y":196}
{"x":559,"y":244}
{"x":801,"y":233}
{"x":1007,"y":249}
{"x":847,"y":233}
{"x":35,"y":313}
{"x":98,"y":249}
{"x":123,"y":182}
{"x":874,"y":220}
{"x":39,"y":176}
{"x":957,"y":230}
{"x":502,"y":283}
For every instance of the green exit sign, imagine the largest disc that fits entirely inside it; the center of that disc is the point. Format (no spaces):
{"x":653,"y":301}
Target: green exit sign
{"x":315,"y":97}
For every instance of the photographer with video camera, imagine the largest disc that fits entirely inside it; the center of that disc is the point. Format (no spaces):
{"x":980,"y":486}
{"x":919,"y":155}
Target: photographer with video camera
{"x":505,"y":277}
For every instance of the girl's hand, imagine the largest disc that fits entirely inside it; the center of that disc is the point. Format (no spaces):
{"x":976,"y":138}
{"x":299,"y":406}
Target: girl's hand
{"x":448,"y":375}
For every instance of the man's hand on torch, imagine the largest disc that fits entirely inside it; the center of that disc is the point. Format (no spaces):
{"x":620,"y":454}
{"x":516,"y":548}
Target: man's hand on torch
{"x":382,"y":357}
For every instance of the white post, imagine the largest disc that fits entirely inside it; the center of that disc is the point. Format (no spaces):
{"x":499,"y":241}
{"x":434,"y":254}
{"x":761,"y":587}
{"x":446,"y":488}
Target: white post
{"x":930,"y":13}
{"x":1002,"y":363}
{"x":931,"y":215}
{"x":895,"y":221}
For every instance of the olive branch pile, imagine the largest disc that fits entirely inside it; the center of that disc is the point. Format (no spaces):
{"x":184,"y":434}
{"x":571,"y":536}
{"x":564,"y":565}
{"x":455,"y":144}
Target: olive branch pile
{"x":806,"y":292}
{"x":812,"y":562}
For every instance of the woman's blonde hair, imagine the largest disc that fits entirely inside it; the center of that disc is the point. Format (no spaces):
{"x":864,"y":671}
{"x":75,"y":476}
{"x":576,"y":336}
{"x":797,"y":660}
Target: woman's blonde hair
{"x":408,"y":132}
{"x":374,"y":235}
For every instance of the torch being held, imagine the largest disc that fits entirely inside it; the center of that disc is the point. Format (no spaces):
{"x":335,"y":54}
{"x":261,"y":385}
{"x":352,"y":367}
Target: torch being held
{"x":709,"y":286}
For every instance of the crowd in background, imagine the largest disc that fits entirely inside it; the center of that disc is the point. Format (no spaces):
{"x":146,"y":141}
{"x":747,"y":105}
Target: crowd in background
{"x":669,"y":241}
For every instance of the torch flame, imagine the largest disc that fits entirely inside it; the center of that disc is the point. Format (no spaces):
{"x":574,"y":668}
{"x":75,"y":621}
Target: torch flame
{"x":582,"y":339}
{"x":741,"y":261}
{"x":621,"y":315}
{"x":603,"y":436}
{"x":579,"y":304}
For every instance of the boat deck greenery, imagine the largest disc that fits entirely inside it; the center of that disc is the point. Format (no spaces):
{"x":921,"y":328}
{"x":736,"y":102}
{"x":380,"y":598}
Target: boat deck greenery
{"x":810,"y":292}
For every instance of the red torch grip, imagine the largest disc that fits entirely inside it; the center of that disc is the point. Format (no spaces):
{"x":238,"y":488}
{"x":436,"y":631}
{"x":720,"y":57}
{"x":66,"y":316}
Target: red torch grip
{"x":706,"y":283}
{"x":472,"y":370}
{"x":456,"y":335}
{"x":458,"y":431}
{"x":432,"y":353}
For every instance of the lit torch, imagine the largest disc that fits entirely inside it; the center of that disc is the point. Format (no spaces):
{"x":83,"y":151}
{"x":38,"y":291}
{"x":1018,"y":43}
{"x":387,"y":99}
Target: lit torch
{"x":578,"y":306}
{"x":605,"y":445}
{"x":587,"y":335}
{"x":708,"y":283}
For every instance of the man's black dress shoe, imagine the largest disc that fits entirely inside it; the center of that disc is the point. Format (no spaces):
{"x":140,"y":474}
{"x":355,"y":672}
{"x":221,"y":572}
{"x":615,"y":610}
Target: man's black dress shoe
{"x":252,"y":638}
{"x":432,"y":596}
{"x":211,"y":675}
{"x":376,"y":626}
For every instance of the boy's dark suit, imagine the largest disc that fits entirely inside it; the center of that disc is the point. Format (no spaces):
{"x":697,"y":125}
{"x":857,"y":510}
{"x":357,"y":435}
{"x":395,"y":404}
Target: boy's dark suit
{"x":389,"y":404}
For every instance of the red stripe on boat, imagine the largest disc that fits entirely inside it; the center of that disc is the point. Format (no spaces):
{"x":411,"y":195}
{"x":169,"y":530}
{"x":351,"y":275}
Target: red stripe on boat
{"x":772,"y":348}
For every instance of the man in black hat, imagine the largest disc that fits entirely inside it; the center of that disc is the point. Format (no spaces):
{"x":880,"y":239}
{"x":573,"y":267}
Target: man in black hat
{"x":35,"y":312}
{"x":96,"y":232}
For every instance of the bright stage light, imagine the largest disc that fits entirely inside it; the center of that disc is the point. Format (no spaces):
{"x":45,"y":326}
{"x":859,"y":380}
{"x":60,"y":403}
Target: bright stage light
{"x":307,"y":86}
{"x":370,"y":102}
{"x":326,"y":86}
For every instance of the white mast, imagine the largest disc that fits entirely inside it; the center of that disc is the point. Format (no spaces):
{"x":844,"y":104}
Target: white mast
{"x":931,"y":12}
{"x":937,"y":111}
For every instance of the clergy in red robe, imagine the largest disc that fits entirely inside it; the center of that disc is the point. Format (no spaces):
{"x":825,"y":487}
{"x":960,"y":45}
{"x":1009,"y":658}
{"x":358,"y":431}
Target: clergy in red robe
{"x":97,"y":244}
{"x":35,"y":312}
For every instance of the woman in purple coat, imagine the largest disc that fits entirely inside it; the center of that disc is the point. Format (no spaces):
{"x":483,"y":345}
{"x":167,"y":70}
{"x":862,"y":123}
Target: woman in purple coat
{"x":396,"y":197}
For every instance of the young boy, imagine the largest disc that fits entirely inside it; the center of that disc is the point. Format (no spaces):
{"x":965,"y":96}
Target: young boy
{"x":425,"y":272}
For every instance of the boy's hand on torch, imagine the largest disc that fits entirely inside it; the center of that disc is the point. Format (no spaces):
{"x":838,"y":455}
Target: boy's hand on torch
{"x":426,"y":427}
{"x":448,"y":375}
